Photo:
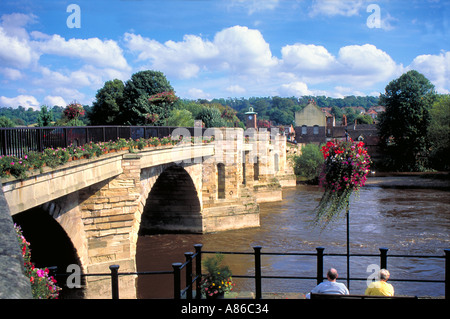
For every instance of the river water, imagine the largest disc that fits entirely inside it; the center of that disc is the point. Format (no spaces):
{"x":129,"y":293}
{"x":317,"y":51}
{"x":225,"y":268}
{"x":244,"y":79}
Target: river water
{"x":410,"y":221}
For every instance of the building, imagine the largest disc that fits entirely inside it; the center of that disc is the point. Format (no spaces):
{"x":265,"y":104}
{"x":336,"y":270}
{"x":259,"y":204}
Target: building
{"x":312,"y":125}
{"x":316,"y":125}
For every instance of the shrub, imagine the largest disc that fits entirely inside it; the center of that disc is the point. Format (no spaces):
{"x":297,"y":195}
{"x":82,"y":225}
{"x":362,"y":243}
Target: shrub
{"x":309,"y":163}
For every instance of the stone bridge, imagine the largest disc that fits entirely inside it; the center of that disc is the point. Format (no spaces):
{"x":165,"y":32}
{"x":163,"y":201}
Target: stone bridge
{"x":104,"y":204}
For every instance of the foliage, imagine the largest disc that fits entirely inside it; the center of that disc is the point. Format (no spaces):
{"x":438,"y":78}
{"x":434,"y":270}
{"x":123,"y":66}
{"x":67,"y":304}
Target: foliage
{"x":309,"y":163}
{"x":6,"y":122}
{"x":403,"y":127}
{"x":43,"y":286}
{"x":218,"y":278}
{"x":211,"y":117}
{"x":344,"y":171}
{"x":73,"y":111}
{"x":106,"y":107}
{"x":281,"y":110}
{"x":439,"y":133}
{"x":182,"y":118}
{"x":147,"y":92}
{"x":45,"y":117}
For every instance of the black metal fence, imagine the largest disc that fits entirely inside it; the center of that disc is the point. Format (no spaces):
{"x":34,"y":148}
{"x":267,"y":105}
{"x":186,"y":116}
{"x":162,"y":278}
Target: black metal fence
{"x":193,"y":275}
{"x":15,"y":141}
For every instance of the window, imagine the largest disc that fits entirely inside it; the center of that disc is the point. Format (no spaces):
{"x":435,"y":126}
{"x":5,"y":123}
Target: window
{"x":220,"y":180}
{"x":304,"y":130}
{"x":316,"y":129}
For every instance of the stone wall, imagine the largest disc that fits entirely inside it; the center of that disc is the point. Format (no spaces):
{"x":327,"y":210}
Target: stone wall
{"x":13,"y":283}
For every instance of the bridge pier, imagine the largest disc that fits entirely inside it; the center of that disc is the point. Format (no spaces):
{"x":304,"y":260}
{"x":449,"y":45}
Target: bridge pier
{"x":111,"y":226}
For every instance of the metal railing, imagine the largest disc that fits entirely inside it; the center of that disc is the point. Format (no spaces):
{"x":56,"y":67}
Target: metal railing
{"x":18,"y":140}
{"x":193,"y":278}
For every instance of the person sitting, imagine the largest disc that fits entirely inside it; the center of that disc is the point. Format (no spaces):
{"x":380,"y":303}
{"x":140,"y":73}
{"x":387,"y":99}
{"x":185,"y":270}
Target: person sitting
{"x":330,"y":286}
{"x":381,"y":287}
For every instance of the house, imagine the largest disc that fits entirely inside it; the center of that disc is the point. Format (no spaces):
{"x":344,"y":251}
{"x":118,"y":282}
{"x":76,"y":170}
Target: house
{"x":311,"y":124}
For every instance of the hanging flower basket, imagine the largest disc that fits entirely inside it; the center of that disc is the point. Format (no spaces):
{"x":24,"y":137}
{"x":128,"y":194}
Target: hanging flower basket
{"x":344,"y":171}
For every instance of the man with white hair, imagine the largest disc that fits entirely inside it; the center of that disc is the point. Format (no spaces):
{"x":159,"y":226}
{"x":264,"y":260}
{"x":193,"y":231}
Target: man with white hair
{"x":381,"y":287}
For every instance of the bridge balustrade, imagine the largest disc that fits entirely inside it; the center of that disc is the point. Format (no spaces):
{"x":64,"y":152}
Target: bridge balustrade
{"x":18,"y":140}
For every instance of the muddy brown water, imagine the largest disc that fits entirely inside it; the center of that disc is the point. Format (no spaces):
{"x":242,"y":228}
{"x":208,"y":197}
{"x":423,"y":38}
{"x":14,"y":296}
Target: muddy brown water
{"x":408,"y":215}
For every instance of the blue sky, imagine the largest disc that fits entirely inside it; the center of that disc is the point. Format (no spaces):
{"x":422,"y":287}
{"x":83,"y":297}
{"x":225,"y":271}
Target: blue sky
{"x":219,"y":48}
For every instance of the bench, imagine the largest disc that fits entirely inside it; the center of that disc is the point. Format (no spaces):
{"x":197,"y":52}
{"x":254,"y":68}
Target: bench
{"x":336,"y":296}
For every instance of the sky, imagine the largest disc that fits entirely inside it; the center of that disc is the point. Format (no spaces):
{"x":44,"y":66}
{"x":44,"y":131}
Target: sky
{"x":54,"y":52}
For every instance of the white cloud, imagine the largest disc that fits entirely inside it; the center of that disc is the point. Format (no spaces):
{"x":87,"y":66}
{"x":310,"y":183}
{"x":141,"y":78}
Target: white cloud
{"x":436,"y":68}
{"x":51,"y":100}
{"x":337,"y":7}
{"x":253,"y":6}
{"x":307,"y":58}
{"x":26,"y":101}
{"x":11,"y":74}
{"x":15,"y":52}
{"x":361,"y":65}
{"x":295,"y":89}
{"x":236,"y":50}
{"x":93,"y":50}
{"x":195,"y":94}
{"x":235,"y":89}
{"x":367,"y":63}
{"x":181,"y":59}
{"x":244,"y":50}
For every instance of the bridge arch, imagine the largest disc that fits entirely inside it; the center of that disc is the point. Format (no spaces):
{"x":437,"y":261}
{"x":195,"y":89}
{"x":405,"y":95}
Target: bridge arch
{"x":173,"y":204}
{"x":50,"y":244}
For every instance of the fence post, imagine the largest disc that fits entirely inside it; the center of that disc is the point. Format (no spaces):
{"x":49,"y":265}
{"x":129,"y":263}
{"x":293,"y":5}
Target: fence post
{"x":114,"y":281}
{"x":319,"y":264}
{"x":188,"y":256}
{"x":383,"y":258}
{"x":258,"y":271}
{"x":447,"y":273}
{"x":198,"y":270}
{"x":176,"y":280}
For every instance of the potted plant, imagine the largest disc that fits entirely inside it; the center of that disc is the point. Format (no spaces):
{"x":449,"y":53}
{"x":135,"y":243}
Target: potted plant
{"x":218,"y":279}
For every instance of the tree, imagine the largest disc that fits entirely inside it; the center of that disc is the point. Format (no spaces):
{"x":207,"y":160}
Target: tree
{"x":309,"y":163}
{"x":439,"y":133}
{"x":45,"y":117}
{"x":6,"y":122}
{"x":403,"y":127}
{"x":180,"y":118}
{"x":105,"y":109}
{"x":141,"y":98}
{"x":211,"y":117}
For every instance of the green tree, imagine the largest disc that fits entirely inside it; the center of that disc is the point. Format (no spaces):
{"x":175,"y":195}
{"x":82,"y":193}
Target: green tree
{"x":105,"y":109}
{"x":439,"y":133}
{"x":181,"y":118}
{"x":309,"y":164}
{"x":6,"y":122}
{"x":403,"y":127}
{"x":138,"y":90}
{"x":45,"y":117}
{"x":211,"y":117}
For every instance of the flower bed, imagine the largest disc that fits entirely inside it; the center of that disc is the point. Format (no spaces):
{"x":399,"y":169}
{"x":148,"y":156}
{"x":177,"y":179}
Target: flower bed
{"x":43,"y":286}
{"x":19,"y":167}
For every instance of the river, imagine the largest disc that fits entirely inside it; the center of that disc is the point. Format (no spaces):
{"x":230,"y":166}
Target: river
{"x":407,"y":220}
